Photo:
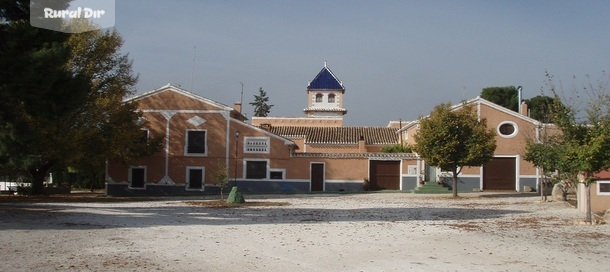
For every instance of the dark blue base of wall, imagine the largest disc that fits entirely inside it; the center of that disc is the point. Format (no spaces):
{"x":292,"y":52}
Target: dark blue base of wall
{"x":527,"y":182}
{"x":344,"y":187}
{"x":248,"y":186}
{"x":409,"y":183}
{"x":117,"y":189}
{"x":120,"y":189}
{"x":464,"y":185}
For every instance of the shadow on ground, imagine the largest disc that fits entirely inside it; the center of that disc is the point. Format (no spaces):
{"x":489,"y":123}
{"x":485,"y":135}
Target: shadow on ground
{"x":41,"y":216}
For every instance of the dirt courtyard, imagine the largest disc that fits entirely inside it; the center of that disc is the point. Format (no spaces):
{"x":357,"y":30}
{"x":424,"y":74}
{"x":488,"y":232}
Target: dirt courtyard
{"x":325,"y":232}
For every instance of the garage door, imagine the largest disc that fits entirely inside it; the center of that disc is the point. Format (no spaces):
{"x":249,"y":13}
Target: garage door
{"x":385,"y":175}
{"x":499,"y":174}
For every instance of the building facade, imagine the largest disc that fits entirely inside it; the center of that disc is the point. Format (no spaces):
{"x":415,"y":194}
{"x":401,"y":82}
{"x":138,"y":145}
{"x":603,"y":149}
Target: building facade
{"x":203,"y":137}
{"x":507,"y":170}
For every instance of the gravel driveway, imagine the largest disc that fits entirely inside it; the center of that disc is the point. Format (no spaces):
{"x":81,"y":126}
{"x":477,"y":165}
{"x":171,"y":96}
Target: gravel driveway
{"x":326,"y":232}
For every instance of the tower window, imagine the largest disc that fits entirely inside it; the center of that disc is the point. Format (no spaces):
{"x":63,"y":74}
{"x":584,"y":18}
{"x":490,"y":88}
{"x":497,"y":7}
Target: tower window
{"x":331,"y":98}
{"x":319,"y":98}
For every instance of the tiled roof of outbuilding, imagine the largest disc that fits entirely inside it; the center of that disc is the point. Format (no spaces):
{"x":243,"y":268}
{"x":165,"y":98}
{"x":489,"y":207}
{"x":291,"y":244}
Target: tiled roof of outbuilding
{"x":325,"y":80}
{"x":339,"y":135}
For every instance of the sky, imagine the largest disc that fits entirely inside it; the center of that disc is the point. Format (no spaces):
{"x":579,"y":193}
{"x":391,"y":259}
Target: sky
{"x":396,"y":59}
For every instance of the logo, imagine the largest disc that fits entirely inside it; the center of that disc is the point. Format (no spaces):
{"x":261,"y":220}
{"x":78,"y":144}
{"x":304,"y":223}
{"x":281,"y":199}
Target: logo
{"x":72,"y":17}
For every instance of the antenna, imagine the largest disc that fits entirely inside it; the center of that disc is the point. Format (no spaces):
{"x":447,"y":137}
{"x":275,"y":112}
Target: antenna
{"x":241,"y":98}
{"x":193,"y":71}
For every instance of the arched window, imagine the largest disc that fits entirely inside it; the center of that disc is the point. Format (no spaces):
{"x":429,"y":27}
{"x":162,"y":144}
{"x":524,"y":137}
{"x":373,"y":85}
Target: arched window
{"x":319,"y":98}
{"x":331,"y":98}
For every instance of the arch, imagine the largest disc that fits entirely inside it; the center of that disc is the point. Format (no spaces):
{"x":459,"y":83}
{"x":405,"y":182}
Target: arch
{"x":319,"y":98}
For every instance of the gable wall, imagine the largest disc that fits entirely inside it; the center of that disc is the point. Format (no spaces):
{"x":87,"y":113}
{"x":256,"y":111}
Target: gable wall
{"x":170,"y":100}
{"x":514,"y":146}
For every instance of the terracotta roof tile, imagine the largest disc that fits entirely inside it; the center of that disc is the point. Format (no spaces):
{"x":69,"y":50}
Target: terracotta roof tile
{"x":339,"y":135}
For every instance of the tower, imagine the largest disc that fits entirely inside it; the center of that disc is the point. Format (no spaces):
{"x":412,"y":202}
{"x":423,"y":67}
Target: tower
{"x":325,"y":96}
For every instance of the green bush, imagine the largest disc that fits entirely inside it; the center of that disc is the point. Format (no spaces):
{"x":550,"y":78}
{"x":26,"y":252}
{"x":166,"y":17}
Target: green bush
{"x":397,"y":148}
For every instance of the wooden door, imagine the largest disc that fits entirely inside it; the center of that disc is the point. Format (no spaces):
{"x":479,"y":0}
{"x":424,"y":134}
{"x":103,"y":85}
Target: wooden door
{"x":500,"y":174}
{"x":317,"y":177}
{"x":385,"y":175}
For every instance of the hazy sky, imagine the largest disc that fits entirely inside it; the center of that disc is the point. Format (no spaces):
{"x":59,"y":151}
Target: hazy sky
{"x":397,"y":59}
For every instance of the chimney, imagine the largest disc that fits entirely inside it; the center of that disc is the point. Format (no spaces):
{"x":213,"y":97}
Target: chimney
{"x":237,"y":106}
{"x":361,"y":145}
{"x":266,"y":127}
{"x":524,"y":109}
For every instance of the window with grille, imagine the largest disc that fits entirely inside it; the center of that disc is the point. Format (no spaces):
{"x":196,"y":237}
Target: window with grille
{"x":196,"y":142}
{"x":319,"y":98}
{"x":256,"y":145}
{"x":277,"y":173}
{"x":331,"y":98}
{"x":256,"y":169}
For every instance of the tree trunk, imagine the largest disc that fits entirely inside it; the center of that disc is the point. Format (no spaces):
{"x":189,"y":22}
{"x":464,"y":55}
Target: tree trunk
{"x":38,"y":176}
{"x":588,"y":202}
{"x":455,"y":183}
{"x":542,"y":184}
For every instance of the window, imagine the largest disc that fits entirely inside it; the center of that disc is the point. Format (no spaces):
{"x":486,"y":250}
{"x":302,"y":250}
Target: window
{"x":195,"y":178}
{"x":507,"y":129}
{"x":196,"y":142}
{"x":603,"y":187}
{"x":319,"y":98}
{"x":331,"y":98}
{"x":256,"y":169}
{"x":277,"y":173}
{"x":412,"y":169}
{"x":256,"y":145}
{"x":137,"y":177}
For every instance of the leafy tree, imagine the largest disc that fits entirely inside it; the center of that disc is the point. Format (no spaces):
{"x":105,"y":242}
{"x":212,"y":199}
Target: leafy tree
{"x":397,"y":148}
{"x":582,"y":148}
{"x":221,"y":176}
{"x":62,"y":99}
{"x":261,"y":108}
{"x":504,"y":96}
{"x":454,"y":138}
{"x":540,"y":108}
{"x":544,"y":152}
{"x":111,"y":128}
{"x":39,"y":94}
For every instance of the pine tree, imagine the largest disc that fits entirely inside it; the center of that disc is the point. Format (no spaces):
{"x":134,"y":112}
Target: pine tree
{"x":62,"y":99}
{"x":261,"y":108}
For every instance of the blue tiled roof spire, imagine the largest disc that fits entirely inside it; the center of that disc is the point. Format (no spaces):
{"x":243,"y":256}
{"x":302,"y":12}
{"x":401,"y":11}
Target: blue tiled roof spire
{"x":325,"y":80}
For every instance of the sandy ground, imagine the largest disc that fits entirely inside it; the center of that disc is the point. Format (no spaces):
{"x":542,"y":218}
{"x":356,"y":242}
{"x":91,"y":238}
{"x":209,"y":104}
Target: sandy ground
{"x":360,"y":232}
